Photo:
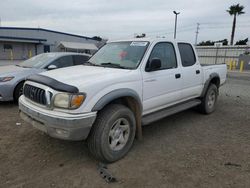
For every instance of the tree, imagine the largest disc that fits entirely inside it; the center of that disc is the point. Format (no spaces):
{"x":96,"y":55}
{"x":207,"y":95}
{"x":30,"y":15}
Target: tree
{"x":141,"y":36}
{"x":242,"y":42}
{"x":224,"y":42}
{"x":97,"y":38}
{"x":211,"y":43}
{"x":234,"y":11}
{"x":206,"y":43}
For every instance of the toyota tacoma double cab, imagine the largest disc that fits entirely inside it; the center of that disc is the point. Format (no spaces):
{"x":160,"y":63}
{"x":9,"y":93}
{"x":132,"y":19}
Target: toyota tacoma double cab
{"x":126,"y":84}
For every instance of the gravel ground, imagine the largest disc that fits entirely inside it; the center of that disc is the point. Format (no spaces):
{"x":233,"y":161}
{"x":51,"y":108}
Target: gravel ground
{"x":185,"y":150}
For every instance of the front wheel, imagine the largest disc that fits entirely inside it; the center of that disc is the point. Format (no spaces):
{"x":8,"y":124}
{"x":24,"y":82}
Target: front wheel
{"x":112,"y":134}
{"x":18,"y":91}
{"x":208,"y":102}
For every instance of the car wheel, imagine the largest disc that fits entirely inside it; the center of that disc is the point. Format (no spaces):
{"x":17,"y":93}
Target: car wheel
{"x":112,"y":134}
{"x":208,"y":102}
{"x":18,"y":91}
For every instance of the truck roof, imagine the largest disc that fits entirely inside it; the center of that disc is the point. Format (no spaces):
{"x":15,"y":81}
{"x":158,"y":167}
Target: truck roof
{"x":153,"y":39}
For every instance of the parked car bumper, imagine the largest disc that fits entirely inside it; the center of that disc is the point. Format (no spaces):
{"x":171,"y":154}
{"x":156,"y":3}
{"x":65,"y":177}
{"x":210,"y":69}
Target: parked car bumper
{"x":6,"y":92}
{"x":57,"y":124}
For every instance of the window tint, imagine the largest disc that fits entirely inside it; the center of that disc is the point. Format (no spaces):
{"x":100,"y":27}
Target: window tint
{"x":65,"y":61}
{"x":187,"y":54}
{"x":166,"y":53}
{"x":80,"y":59}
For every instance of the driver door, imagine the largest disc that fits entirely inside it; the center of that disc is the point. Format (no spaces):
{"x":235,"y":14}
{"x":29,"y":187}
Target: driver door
{"x":162,"y":87}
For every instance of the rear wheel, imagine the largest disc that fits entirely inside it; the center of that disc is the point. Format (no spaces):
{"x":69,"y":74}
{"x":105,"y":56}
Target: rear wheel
{"x":112,"y":134}
{"x":208,"y":102}
{"x":18,"y":91}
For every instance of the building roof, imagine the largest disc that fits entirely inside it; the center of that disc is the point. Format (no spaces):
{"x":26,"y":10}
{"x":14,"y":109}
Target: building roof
{"x":22,"y":39}
{"x":77,"y":45}
{"x":47,"y":30}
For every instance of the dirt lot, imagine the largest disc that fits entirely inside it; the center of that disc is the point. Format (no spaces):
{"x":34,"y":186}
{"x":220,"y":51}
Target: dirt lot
{"x":184,"y":150}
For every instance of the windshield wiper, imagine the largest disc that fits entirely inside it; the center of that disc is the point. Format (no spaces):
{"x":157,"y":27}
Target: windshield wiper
{"x":90,"y":64}
{"x":113,"y":65}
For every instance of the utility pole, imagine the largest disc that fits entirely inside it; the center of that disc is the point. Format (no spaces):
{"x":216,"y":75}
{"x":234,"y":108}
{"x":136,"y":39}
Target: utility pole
{"x":175,"y":23}
{"x":197,"y":32}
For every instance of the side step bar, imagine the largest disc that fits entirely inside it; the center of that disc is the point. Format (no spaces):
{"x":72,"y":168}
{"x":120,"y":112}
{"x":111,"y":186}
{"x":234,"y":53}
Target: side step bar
{"x":155,"y":116}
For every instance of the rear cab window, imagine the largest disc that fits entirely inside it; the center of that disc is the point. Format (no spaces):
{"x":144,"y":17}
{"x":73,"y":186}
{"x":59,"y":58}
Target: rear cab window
{"x":187,"y":54}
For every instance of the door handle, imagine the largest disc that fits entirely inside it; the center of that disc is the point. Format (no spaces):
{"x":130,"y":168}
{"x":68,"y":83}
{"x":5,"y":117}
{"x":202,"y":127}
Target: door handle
{"x":197,"y":71}
{"x":177,"y":76}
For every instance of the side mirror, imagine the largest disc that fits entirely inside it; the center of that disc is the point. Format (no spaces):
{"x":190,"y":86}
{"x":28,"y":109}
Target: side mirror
{"x":52,"y":67}
{"x":153,"y":65}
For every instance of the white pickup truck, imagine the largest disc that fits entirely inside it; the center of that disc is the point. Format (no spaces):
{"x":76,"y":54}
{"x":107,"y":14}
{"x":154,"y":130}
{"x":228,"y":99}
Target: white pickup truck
{"x":126,"y":84}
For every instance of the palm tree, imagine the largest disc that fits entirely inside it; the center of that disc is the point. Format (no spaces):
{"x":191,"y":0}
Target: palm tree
{"x":234,"y":10}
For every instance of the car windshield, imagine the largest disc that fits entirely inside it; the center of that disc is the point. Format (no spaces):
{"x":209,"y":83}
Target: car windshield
{"x":37,"y":61}
{"x":127,"y":55}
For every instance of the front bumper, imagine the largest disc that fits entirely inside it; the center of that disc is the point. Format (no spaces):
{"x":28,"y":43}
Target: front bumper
{"x":57,"y":124}
{"x":6,"y":92}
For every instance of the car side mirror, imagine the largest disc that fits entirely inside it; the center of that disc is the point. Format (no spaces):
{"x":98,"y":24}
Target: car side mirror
{"x":52,"y":67}
{"x":153,"y":65}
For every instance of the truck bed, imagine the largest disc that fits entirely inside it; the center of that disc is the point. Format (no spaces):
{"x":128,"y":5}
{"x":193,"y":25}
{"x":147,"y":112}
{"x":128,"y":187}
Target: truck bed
{"x":220,"y":69}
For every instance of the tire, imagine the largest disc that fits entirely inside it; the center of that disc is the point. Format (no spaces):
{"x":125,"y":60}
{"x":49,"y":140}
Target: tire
{"x":208,"y":102}
{"x":18,"y":91}
{"x":112,"y":134}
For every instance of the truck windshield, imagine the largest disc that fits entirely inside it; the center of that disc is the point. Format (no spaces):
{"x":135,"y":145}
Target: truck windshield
{"x":126,"y":55}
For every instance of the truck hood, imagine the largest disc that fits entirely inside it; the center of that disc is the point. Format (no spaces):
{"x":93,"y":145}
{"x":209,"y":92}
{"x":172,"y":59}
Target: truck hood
{"x":82,"y":76}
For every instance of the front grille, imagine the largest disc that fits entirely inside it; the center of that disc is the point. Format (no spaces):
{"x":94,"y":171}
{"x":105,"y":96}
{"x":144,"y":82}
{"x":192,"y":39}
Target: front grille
{"x":35,"y":94}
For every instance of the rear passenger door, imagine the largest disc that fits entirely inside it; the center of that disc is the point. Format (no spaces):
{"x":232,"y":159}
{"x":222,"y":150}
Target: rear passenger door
{"x":191,"y":72}
{"x":162,"y":88}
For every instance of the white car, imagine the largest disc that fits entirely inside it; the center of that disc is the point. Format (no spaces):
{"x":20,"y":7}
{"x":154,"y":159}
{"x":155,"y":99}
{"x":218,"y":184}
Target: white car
{"x":125,"y":85}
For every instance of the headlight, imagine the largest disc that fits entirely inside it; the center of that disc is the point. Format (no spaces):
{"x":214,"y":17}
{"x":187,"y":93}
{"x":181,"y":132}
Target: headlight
{"x":68,"y":101}
{"x":6,"y":79}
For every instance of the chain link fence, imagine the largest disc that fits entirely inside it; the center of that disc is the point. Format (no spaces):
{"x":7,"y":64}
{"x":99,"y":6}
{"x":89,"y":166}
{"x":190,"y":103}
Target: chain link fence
{"x":236,"y":57}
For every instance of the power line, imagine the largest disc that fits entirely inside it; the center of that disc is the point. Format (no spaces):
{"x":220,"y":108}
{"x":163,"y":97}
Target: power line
{"x":199,"y":26}
{"x":223,"y":27}
{"x":180,"y":28}
{"x":224,"y":23}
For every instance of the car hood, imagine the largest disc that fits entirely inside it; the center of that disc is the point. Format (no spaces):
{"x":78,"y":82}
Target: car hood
{"x":82,"y":76}
{"x":12,"y":70}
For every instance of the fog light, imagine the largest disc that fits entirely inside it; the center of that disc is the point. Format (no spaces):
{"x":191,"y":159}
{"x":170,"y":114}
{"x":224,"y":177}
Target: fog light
{"x":62,"y":132}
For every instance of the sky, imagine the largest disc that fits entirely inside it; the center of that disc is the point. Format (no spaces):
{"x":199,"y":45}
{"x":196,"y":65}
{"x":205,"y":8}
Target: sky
{"x":117,"y":19}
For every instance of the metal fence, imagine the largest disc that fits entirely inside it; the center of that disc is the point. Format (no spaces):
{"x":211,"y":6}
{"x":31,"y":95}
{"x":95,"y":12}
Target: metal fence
{"x":234,"y":56}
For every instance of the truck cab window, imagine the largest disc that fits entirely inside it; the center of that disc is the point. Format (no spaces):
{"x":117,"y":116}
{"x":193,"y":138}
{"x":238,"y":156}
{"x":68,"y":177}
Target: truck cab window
{"x":165,"y":52}
{"x":187,"y":54}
